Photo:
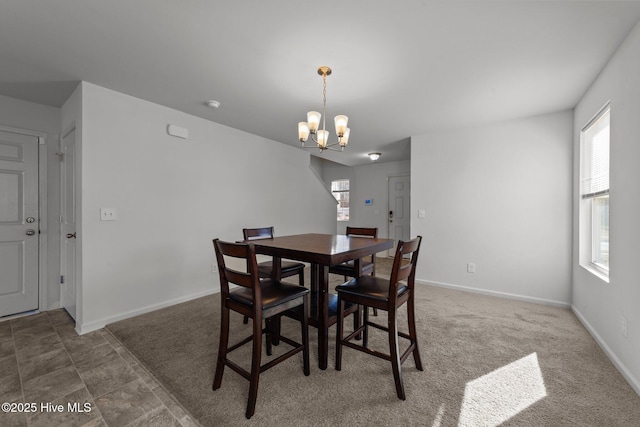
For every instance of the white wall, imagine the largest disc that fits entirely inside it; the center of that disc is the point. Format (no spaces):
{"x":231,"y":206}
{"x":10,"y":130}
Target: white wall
{"x":366,"y":182}
{"x":600,"y":305}
{"x":27,"y":115}
{"x":498,"y":196}
{"x":172,"y":197}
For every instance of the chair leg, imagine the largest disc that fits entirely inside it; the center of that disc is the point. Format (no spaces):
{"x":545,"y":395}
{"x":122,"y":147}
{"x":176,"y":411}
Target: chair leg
{"x":411,"y":317}
{"x":373,"y":273}
{"x":276,"y":323}
{"x":269,"y":326}
{"x":339,"y":333}
{"x":222,"y":347}
{"x":356,"y":320}
{"x":245,"y":320}
{"x":255,"y":367}
{"x":305,"y":335}
{"x":395,"y":354}
{"x":365,"y":333}
{"x":301,"y":280}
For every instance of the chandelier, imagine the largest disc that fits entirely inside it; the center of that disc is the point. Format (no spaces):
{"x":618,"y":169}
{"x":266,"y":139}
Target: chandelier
{"x":310,"y":127}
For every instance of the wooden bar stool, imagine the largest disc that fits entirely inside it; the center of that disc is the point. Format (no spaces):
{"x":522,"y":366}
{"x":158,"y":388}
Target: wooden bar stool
{"x":265,"y":268}
{"x":388,"y":295}
{"x":258,"y":300}
{"x":368,"y":265}
{"x":347,"y":269}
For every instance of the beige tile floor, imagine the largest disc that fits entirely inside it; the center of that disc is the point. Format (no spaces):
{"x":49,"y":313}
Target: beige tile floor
{"x":49,"y":370}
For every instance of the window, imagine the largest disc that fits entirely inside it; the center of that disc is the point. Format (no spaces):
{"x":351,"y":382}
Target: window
{"x":594,"y":193}
{"x":340,"y":190}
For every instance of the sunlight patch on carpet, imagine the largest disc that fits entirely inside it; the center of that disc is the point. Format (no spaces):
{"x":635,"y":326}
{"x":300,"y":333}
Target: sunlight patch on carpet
{"x":499,"y":395}
{"x":438,"y":420}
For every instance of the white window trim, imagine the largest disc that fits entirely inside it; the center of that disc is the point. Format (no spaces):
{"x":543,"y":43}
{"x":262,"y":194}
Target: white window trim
{"x":342,"y":191}
{"x":585,"y":239}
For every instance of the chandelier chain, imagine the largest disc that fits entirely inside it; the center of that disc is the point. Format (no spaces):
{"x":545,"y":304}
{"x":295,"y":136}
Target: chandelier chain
{"x":324,"y":100}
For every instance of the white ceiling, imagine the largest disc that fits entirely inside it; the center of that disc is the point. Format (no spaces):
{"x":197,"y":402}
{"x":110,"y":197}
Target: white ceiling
{"x":400,"y":68}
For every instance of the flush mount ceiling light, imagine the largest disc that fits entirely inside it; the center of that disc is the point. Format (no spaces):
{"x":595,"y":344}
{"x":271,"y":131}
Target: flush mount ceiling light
{"x":213,"y":103}
{"x":374,"y":156}
{"x":310,"y":127}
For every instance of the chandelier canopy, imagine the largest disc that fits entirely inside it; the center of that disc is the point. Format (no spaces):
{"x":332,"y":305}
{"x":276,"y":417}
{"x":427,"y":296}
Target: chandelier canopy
{"x":321,"y":136}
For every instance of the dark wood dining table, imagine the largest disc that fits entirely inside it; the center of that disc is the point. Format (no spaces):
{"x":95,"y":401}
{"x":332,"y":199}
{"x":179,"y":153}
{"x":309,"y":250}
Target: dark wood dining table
{"x":321,"y":251}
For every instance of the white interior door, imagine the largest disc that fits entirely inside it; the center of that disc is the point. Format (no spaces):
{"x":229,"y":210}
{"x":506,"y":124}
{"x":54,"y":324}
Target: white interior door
{"x":399,"y":209}
{"x":19,"y":222}
{"x":68,"y":223}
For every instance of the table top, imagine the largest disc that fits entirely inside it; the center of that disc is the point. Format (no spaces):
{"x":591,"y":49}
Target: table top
{"x":325,"y":249}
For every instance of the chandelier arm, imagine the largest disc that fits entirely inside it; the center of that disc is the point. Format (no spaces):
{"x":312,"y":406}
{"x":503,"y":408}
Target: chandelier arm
{"x":330,"y":147}
{"x":327,"y":147}
{"x":333,"y":145}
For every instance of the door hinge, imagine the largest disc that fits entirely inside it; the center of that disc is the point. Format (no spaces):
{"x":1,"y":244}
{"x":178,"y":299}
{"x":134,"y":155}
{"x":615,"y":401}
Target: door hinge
{"x":61,"y":279}
{"x":60,"y":155}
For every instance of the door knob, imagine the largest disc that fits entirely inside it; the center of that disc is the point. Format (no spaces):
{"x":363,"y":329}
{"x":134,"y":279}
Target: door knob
{"x":30,"y":232}
{"x":71,"y":235}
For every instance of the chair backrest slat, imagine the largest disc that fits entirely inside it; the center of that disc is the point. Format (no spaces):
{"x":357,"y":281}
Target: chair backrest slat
{"x":362,"y":231}
{"x":257,"y":233}
{"x":238,"y":277}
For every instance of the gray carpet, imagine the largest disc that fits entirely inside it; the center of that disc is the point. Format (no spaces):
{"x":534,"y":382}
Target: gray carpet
{"x":488,"y":362}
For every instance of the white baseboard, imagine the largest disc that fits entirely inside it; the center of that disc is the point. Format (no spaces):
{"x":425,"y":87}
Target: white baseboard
{"x":54,"y":305}
{"x":498,"y":294}
{"x":99,"y":324}
{"x":633,"y":381}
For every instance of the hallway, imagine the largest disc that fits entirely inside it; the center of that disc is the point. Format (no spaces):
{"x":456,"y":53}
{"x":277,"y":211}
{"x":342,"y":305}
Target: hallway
{"x":64,"y":379}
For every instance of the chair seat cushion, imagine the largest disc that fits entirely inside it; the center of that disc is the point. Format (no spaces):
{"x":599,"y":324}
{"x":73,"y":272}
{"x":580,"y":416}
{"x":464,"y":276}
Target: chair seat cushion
{"x":273,"y":293}
{"x":348,"y":268}
{"x":372,"y":287}
{"x":288,"y":268}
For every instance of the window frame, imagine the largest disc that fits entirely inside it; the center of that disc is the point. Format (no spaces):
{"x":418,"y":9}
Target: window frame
{"x":335,"y":193}
{"x":590,"y":238}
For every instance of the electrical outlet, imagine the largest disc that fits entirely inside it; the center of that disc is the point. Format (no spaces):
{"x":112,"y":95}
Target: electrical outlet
{"x":108,"y":214}
{"x":471,"y":267}
{"x":214,"y":267}
{"x":623,"y":326}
